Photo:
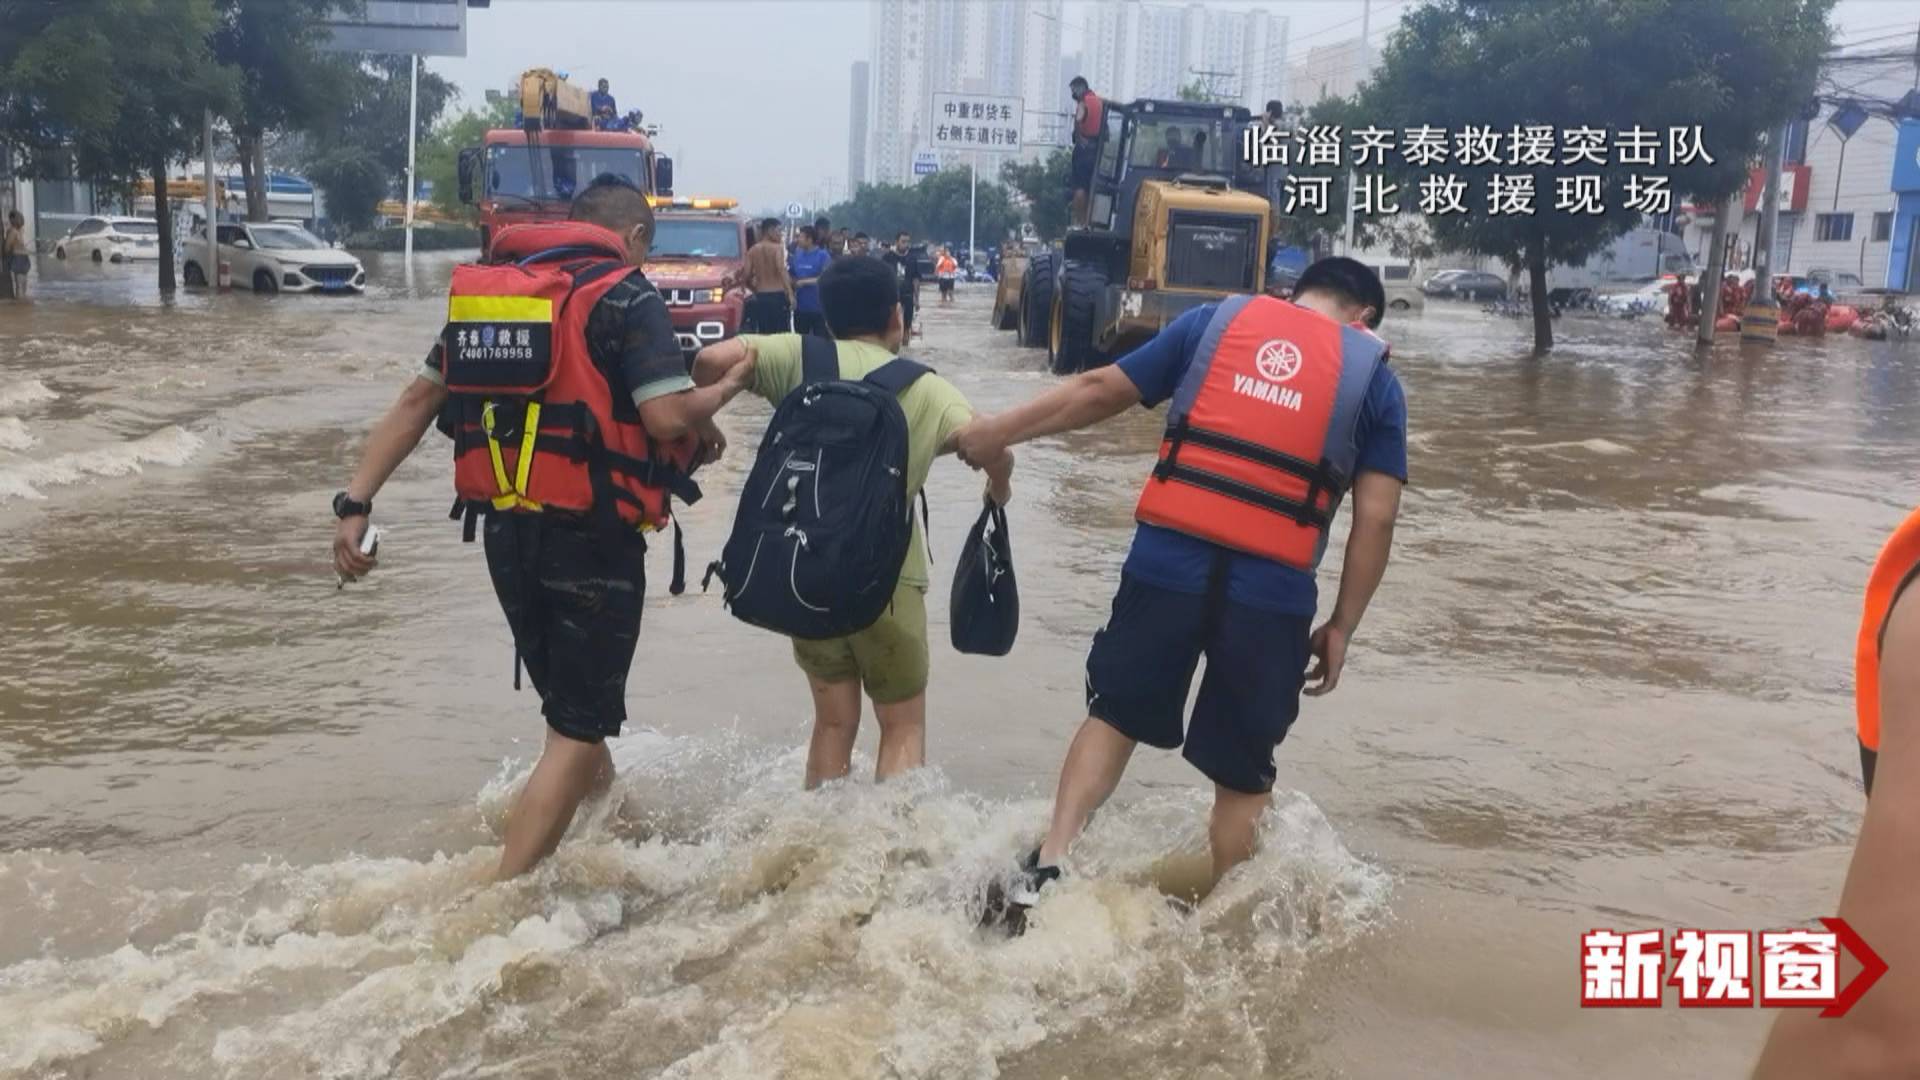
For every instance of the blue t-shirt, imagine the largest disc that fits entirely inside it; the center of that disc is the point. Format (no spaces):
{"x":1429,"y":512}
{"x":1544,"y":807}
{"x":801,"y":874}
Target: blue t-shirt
{"x":1174,"y":560}
{"x":807,"y":264}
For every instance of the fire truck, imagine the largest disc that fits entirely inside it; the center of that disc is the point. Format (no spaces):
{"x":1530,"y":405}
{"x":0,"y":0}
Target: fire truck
{"x":530,"y":172}
{"x":698,"y":255}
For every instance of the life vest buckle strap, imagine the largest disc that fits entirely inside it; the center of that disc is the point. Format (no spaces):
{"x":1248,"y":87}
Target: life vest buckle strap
{"x":1307,"y":515}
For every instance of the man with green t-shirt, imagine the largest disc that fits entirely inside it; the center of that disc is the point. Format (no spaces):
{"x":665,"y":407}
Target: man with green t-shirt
{"x":862,"y":305}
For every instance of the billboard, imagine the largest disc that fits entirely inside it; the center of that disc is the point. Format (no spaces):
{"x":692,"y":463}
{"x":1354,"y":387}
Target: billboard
{"x":976,"y":122}
{"x":420,"y":27}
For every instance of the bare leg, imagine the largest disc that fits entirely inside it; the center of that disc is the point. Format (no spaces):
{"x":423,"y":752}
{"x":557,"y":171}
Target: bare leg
{"x":568,"y":771}
{"x":1231,"y":831}
{"x":1092,"y":770}
{"x":903,"y":735}
{"x":836,"y":723}
{"x":1080,"y":206}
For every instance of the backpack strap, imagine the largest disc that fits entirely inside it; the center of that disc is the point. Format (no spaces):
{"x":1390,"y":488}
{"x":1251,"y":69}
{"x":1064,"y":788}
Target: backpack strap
{"x":896,"y":375}
{"x":819,"y":359}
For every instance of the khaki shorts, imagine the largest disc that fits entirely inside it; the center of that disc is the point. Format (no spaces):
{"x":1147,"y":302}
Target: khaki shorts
{"x":889,"y":657}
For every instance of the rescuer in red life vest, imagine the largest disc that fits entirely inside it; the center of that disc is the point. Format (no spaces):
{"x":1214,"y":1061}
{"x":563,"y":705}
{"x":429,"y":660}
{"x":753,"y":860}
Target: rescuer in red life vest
{"x":574,"y":422}
{"x":1877,"y":1036}
{"x":1277,"y":410}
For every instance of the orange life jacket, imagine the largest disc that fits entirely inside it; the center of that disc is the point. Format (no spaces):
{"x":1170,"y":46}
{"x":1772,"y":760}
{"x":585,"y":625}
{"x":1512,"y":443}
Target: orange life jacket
{"x":1089,"y":126}
{"x":537,"y":425}
{"x":1896,"y":567}
{"x":1260,"y":443}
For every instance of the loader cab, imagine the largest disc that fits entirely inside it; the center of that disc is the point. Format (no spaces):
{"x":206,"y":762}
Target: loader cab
{"x":1161,"y":140}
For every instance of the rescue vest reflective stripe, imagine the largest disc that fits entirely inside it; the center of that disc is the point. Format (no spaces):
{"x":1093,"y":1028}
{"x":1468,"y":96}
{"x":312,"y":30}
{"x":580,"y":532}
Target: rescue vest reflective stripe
{"x":536,"y":424}
{"x":1260,"y":443}
{"x":1896,"y":567}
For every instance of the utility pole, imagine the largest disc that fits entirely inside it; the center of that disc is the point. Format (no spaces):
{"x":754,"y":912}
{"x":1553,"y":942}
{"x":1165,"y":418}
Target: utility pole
{"x":1715,"y":270}
{"x":1761,"y":321}
{"x":212,"y":265}
{"x":973,"y":191}
{"x":413,"y":124}
{"x":1366,"y":58}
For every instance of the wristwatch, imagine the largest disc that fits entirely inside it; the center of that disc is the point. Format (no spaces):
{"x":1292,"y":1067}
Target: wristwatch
{"x":344,"y":507}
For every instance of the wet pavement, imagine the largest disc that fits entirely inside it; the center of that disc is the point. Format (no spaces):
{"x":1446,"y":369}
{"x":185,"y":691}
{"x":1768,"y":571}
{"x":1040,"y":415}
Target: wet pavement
{"x":244,"y":815}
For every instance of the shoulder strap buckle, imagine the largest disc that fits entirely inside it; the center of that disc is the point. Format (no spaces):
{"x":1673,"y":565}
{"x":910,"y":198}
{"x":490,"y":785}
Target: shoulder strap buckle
{"x":896,"y":375}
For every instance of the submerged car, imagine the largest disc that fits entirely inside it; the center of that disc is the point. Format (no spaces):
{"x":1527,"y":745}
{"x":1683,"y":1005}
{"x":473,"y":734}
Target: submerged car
{"x":273,"y":258}
{"x":111,"y":240}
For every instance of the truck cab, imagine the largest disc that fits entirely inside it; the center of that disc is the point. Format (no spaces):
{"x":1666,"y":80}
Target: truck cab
{"x":531,"y":172}
{"x":699,"y":252}
{"x":1168,"y":230}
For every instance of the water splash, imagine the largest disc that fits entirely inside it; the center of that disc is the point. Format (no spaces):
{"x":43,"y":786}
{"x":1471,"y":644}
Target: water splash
{"x":707,"y":920}
{"x":26,"y":392}
{"x":171,"y":446}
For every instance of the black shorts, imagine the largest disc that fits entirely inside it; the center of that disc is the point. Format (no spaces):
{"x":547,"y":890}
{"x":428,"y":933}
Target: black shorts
{"x":572,"y":596}
{"x":1080,"y":170}
{"x":811,"y":322}
{"x":767,"y":313}
{"x":1142,"y":664}
{"x":946,"y":286}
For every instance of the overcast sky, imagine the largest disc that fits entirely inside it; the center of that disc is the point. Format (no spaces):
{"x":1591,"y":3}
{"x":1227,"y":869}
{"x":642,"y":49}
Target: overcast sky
{"x":752,"y":96}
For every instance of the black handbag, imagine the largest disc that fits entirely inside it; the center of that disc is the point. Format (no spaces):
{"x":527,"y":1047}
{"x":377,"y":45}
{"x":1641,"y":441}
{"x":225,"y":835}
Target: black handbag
{"x":985,"y":612}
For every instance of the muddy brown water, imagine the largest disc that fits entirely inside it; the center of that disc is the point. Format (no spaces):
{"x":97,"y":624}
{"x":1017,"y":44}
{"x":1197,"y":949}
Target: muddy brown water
{"x":245,"y":816}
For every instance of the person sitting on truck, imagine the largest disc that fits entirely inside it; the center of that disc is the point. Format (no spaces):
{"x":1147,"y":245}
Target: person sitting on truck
{"x":600,"y":103}
{"x":770,"y":309}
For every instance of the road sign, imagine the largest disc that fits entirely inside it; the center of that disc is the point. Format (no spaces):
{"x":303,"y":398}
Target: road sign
{"x":795,"y":210}
{"x":925,"y":162}
{"x":977,"y":122}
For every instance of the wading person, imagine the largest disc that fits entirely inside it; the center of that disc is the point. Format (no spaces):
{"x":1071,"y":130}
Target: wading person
{"x":805,"y":266}
{"x":1279,"y":409}
{"x":1088,"y":116}
{"x":1877,"y":1036}
{"x":888,"y":658}
{"x":14,"y":260}
{"x":946,"y":270}
{"x":564,"y":337}
{"x":906,"y":269}
{"x":769,"y":310}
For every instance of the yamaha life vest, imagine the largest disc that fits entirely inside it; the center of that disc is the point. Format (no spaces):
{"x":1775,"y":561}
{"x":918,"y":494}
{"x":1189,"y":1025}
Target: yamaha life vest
{"x":537,"y":425}
{"x":1895,"y":569}
{"x":1260,"y":442}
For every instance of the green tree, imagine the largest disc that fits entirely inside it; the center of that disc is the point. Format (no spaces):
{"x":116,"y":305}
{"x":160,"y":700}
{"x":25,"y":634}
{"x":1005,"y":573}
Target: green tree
{"x":881,"y":210}
{"x":440,"y":156}
{"x":1736,"y":68}
{"x":943,"y":208}
{"x":1193,"y":91}
{"x":285,"y":81}
{"x":110,"y":90}
{"x":1044,"y":184}
{"x":362,"y":156}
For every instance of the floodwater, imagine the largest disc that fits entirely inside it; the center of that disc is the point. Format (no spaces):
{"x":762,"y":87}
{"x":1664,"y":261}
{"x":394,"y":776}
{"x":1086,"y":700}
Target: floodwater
{"x":246,"y":817}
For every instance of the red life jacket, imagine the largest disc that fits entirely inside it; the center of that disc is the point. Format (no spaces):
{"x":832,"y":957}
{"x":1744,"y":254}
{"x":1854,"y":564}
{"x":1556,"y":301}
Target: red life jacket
{"x":1260,"y":442}
{"x":535,"y":422}
{"x":1893,"y":571}
{"x":1089,"y":127}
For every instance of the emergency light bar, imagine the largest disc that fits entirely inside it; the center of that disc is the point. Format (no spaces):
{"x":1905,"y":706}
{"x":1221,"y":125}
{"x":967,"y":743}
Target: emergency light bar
{"x":684,"y":202}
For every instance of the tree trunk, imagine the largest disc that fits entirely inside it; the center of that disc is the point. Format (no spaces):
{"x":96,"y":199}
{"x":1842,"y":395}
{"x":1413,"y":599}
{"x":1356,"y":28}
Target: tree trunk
{"x":163,"y":218}
{"x":253,"y":158}
{"x":1537,"y":286}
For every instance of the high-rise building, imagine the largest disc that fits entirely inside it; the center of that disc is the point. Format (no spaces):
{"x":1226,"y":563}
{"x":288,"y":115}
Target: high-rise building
{"x":857,"y":127}
{"x":1136,"y":49}
{"x":1335,"y":70}
{"x":921,"y":47}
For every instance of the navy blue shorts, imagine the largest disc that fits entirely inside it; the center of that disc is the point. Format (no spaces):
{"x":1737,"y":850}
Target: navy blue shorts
{"x":1142,"y":665}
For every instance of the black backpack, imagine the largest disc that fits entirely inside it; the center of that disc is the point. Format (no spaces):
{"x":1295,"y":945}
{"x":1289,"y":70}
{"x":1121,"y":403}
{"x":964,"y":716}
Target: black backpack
{"x":824,"y":521}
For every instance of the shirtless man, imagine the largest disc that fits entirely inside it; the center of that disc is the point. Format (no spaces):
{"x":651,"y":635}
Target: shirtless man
{"x":770,"y":309}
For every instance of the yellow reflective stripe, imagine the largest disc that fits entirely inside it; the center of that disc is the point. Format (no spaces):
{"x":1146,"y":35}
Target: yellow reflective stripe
{"x":499,"y":309}
{"x":529,"y":430}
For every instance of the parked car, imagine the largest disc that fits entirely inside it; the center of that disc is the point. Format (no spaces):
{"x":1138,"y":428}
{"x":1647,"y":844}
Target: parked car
{"x":1397,"y":278}
{"x":1837,"y":281}
{"x":274,"y":258}
{"x":111,"y":239}
{"x":1466,"y":285}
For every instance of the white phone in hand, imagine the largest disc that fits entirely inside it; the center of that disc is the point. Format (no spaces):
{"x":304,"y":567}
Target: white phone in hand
{"x":370,"y":543}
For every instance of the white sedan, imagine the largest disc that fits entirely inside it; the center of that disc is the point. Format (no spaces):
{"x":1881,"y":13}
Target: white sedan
{"x":273,"y":258}
{"x":110,"y":239}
